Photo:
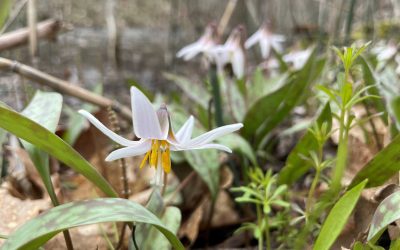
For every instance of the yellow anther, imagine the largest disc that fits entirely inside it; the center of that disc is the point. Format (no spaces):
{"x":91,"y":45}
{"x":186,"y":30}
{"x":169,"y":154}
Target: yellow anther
{"x":144,"y":160}
{"x":154,"y":153}
{"x":166,"y":161}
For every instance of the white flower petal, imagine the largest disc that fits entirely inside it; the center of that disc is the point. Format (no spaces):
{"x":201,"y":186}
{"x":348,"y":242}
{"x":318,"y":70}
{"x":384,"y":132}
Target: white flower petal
{"x":205,"y":146}
{"x":211,"y":135}
{"x":110,"y":134}
{"x":142,"y":147}
{"x":278,"y":38}
{"x":190,"y":51}
{"x":265,"y":46}
{"x":253,"y":39}
{"x":145,"y":121}
{"x":238,"y":61}
{"x":185,"y":132}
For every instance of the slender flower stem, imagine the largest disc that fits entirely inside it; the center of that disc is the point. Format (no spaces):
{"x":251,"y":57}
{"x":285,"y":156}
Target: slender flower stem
{"x":314,"y":183}
{"x":267,"y":236}
{"x":216,"y":96}
{"x":341,"y":154}
{"x":259,"y":222}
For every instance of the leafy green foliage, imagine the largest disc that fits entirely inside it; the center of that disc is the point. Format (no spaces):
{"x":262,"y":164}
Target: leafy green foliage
{"x":337,"y":217}
{"x":296,"y":165}
{"x":387,"y":212}
{"x":270,"y":110}
{"x":45,"y":140}
{"x":39,"y":230}
{"x":263,"y":192}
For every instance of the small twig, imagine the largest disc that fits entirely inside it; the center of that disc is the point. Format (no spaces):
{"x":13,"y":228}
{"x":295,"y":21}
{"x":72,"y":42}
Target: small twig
{"x":230,"y":7}
{"x":46,"y":29}
{"x":32,"y":26}
{"x":64,"y":87}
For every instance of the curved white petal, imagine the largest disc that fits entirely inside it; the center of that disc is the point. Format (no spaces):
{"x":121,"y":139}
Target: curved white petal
{"x":205,"y":146}
{"x":110,"y":134}
{"x":253,"y":39}
{"x":145,"y":120}
{"x":265,"y":46}
{"x":142,"y":147}
{"x":185,"y":132}
{"x":211,"y":135}
{"x":278,"y":38}
{"x":189,"y":51}
{"x":238,"y":61}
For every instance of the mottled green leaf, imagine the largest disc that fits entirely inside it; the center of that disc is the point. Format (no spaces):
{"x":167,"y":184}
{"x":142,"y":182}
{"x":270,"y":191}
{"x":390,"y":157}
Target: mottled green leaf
{"x":45,"y":140}
{"x":296,"y":166}
{"x":171,"y":218}
{"x":387,"y":212}
{"x":194,"y":91}
{"x":44,"y":109}
{"x":206,"y":163}
{"x":337,"y":218}
{"x":39,"y":230}
{"x":384,"y":165}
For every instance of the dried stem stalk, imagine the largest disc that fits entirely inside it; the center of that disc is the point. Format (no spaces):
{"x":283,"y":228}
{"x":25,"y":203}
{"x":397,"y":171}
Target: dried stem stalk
{"x":64,"y":87}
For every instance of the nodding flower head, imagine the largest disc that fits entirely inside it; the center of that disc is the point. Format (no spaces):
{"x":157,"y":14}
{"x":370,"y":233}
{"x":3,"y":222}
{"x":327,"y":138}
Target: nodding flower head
{"x":156,"y":137}
{"x":232,"y":52}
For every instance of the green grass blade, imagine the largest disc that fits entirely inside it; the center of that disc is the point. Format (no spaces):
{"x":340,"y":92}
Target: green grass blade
{"x":43,"y":139}
{"x":39,"y":230}
{"x":337,"y":218}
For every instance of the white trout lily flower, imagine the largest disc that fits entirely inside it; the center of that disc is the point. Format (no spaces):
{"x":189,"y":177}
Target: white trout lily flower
{"x":206,"y":42}
{"x":266,"y":39}
{"x":385,"y":52}
{"x":231,"y":52}
{"x":297,"y":58}
{"x":157,"y":138}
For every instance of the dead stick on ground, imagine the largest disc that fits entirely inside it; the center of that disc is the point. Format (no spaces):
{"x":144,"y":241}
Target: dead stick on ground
{"x":46,"y":29}
{"x":230,"y":7}
{"x":64,"y":87}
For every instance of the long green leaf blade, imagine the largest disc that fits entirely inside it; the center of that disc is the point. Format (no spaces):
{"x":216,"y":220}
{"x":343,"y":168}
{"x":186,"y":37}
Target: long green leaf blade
{"x":43,"y":139}
{"x":337,"y":218}
{"x":44,"y":109}
{"x":39,"y":230}
{"x":383,"y":166}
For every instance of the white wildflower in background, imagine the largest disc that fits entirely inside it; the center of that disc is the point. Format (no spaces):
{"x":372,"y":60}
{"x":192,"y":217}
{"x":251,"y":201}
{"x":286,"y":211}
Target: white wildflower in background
{"x":157,"y":138}
{"x":297,"y":58}
{"x":231,"y":52}
{"x":266,"y":39}
{"x":385,"y":52}
{"x":206,"y":42}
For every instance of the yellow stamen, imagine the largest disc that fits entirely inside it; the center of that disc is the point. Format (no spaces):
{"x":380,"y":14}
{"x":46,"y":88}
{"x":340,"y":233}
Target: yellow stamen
{"x":154,"y":153}
{"x":144,"y":160}
{"x":166,"y":160}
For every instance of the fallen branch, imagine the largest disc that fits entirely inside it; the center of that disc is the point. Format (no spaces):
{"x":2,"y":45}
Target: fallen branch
{"x":46,"y":29}
{"x":64,"y":87}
